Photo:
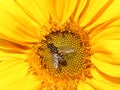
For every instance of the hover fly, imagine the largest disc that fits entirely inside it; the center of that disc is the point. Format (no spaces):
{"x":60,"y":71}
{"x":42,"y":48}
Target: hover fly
{"x":57,"y":57}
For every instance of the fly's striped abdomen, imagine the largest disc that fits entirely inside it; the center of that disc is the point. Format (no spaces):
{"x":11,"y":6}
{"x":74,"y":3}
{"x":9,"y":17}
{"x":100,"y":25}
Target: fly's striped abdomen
{"x":56,"y":55}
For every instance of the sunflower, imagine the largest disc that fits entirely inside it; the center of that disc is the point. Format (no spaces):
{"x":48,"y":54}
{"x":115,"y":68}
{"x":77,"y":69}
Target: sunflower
{"x":59,"y":45}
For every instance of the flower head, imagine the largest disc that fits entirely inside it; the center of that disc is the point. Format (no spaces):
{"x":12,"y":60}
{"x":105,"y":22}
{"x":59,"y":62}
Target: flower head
{"x":59,"y":45}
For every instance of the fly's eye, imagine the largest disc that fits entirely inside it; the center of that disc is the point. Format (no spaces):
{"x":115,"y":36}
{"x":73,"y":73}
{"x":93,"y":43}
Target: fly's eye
{"x":52,"y":48}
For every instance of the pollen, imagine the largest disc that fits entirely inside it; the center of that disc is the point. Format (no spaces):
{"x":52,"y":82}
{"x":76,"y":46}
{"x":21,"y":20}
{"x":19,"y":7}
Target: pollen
{"x":63,"y":55}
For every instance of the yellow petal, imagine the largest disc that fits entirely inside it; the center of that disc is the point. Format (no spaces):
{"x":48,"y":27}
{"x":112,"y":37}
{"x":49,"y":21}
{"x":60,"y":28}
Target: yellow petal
{"x":99,"y":12}
{"x":90,"y":9}
{"x":5,"y":55}
{"x":80,"y":9}
{"x":107,"y":68}
{"x":12,"y":44}
{"x":107,"y":46}
{"x":84,"y":86}
{"x":28,"y":83}
{"x":101,"y":85}
{"x":14,"y":75}
{"x":105,"y":78}
{"x":110,"y":33}
{"x":60,"y":10}
{"x":36,"y":10}
{"x":108,"y":58}
{"x":13,"y":49}
{"x":17,"y":24}
{"x":69,"y":8}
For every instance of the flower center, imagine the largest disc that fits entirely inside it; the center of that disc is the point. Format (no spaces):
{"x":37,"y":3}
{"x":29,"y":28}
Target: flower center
{"x":63,"y":54}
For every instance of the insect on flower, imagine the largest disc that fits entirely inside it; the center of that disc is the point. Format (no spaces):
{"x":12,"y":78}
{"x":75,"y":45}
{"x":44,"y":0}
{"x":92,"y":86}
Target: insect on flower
{"x":57,"y":57}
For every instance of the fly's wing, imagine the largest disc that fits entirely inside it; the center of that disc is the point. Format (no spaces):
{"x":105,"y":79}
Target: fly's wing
{"x":58,"y":59}
{"x":68,"y":51}
{"x":55,"y":60}
{"x":64,"y":50}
